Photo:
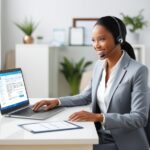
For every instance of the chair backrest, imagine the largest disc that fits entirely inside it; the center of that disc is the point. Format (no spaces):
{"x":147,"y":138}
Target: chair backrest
{"x":147,"y":128}
{"x":10,"y":60}
{"x":85,"y":79}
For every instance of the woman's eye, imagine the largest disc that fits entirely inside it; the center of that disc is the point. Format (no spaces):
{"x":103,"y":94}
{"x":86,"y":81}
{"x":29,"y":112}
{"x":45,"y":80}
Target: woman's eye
{"x":102,"y":39}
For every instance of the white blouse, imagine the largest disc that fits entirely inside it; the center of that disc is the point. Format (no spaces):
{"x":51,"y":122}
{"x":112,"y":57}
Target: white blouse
{"x":104,"y":89}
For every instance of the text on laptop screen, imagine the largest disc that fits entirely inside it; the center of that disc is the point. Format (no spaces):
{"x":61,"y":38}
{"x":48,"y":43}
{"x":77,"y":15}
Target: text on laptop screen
{"x":12,"y":89}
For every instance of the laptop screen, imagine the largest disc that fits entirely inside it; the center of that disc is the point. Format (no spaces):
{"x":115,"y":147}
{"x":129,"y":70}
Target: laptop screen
{"x":13,"y":94}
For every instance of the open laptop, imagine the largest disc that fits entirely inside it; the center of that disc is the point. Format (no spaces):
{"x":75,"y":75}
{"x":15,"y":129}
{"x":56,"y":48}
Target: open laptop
{"x":14,"y":101}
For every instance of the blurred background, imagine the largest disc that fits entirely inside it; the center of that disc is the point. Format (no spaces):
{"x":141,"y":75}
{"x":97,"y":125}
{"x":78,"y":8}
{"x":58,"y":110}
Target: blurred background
{"x":61,"y":28}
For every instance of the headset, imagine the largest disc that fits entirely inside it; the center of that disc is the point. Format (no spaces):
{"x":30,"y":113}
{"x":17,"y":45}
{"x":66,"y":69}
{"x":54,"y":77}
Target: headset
{"x":120,"y":37}
{"x":119,"y":40}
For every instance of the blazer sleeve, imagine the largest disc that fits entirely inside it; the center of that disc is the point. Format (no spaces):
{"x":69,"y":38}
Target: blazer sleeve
{"x":138,"y":115}
{"x":84,"y":98}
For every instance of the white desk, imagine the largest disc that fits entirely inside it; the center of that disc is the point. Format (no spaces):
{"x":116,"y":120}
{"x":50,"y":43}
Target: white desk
{"x":13,"y":137}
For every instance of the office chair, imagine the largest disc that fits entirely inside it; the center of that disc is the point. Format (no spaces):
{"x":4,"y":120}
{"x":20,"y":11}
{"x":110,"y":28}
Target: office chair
{"x":85,"y":80}
{"x":147,"y":128}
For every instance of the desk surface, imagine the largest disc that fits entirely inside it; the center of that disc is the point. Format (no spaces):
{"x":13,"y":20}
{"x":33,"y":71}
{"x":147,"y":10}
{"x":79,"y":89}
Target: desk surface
{"x":11,"y":133}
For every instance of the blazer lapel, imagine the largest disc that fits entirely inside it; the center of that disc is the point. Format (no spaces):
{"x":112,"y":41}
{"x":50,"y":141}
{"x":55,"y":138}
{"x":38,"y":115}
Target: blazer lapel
{"x":121,"y":73}
{"x":117,"y":82}
{"x":98,"y":75}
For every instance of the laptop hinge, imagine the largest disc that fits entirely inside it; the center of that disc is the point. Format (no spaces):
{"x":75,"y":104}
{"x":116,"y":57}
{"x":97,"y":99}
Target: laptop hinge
{"x":17,"y":110}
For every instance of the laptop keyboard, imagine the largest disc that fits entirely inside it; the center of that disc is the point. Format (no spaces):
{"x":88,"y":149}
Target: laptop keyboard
{"x":24,"y":112}
{"x":28,"y":112}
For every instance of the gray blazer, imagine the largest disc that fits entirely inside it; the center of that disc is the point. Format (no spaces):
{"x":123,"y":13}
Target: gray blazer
{"x":127,"y":103}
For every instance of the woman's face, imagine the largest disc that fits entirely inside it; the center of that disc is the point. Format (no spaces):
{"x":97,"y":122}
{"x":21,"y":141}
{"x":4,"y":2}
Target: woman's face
{"x":103,"y":42}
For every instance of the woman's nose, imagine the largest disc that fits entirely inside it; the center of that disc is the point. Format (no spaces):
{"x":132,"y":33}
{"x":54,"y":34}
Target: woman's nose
{"x":97,"y":45}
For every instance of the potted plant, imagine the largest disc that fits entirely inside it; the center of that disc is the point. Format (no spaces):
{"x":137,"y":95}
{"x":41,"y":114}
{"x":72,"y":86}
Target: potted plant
{"x":135,"y":23}
{"x":73,"y":72}
{"x":27,"y":27}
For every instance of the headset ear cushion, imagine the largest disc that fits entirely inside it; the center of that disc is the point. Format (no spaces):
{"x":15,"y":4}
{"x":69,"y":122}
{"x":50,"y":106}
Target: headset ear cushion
{"x":120,"y":40}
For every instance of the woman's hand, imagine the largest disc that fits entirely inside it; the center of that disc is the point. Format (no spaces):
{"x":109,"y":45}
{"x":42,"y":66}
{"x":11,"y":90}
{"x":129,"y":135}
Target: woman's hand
{"x":86,"y":116}
{"x":48,"y":103}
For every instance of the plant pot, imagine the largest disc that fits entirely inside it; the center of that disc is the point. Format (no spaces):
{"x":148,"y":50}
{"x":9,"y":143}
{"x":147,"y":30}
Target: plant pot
{"x":28,"y":39}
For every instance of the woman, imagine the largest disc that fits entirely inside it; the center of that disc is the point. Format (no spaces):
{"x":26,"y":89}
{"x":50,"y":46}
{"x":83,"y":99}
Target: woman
{"x":118,"y":91}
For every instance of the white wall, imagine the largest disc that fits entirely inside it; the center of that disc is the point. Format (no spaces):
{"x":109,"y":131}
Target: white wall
{"x":59,"y":14}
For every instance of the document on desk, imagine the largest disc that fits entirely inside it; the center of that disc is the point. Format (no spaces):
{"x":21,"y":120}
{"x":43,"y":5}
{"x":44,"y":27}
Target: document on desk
{"x":50,"y":126}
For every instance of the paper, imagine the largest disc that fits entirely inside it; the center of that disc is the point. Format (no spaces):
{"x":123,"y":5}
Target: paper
{"x":49,"y":126}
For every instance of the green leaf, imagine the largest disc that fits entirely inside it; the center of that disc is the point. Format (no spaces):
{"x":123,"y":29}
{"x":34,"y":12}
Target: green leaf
{"x":87,"y":64}
{"x":135,"y":23}
{"x":27,"y":26}
{"x":73,"y":72}
{"x":80,"y":63}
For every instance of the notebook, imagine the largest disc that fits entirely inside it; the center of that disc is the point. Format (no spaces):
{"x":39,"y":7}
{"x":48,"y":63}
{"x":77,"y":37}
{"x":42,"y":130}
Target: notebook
{"x":14,"y":101}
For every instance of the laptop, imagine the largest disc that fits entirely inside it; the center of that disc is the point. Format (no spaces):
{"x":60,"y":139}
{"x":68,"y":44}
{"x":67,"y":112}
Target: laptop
{"x":14,"y":101}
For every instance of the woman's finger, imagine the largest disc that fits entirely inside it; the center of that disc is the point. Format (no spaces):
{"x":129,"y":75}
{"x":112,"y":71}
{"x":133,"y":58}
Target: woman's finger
{"x":75,"y":118}
{"x":73,"y":115}
{"x":39,"y":105}
{"x":35,"y":104}
{"x":50,"y":106}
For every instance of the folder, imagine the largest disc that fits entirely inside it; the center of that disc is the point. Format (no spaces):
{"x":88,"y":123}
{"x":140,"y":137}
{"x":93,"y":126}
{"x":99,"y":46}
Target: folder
{"x":51,"y":126}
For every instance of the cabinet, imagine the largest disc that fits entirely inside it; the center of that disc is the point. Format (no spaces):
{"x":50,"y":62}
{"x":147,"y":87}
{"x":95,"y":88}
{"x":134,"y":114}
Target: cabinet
{"x":139,"y":51}
{"x":36,"y":62}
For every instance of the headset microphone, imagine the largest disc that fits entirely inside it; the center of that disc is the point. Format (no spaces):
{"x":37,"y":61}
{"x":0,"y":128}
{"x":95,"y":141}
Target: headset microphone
{"x":103,"y":54}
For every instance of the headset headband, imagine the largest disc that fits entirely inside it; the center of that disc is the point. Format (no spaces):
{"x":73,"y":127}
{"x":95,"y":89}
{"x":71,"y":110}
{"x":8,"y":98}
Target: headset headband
{"x":119,"y":38}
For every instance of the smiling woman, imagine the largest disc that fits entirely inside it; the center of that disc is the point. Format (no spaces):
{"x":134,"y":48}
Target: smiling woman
{"x":103,"y":42}
{"x":117,"y":74}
